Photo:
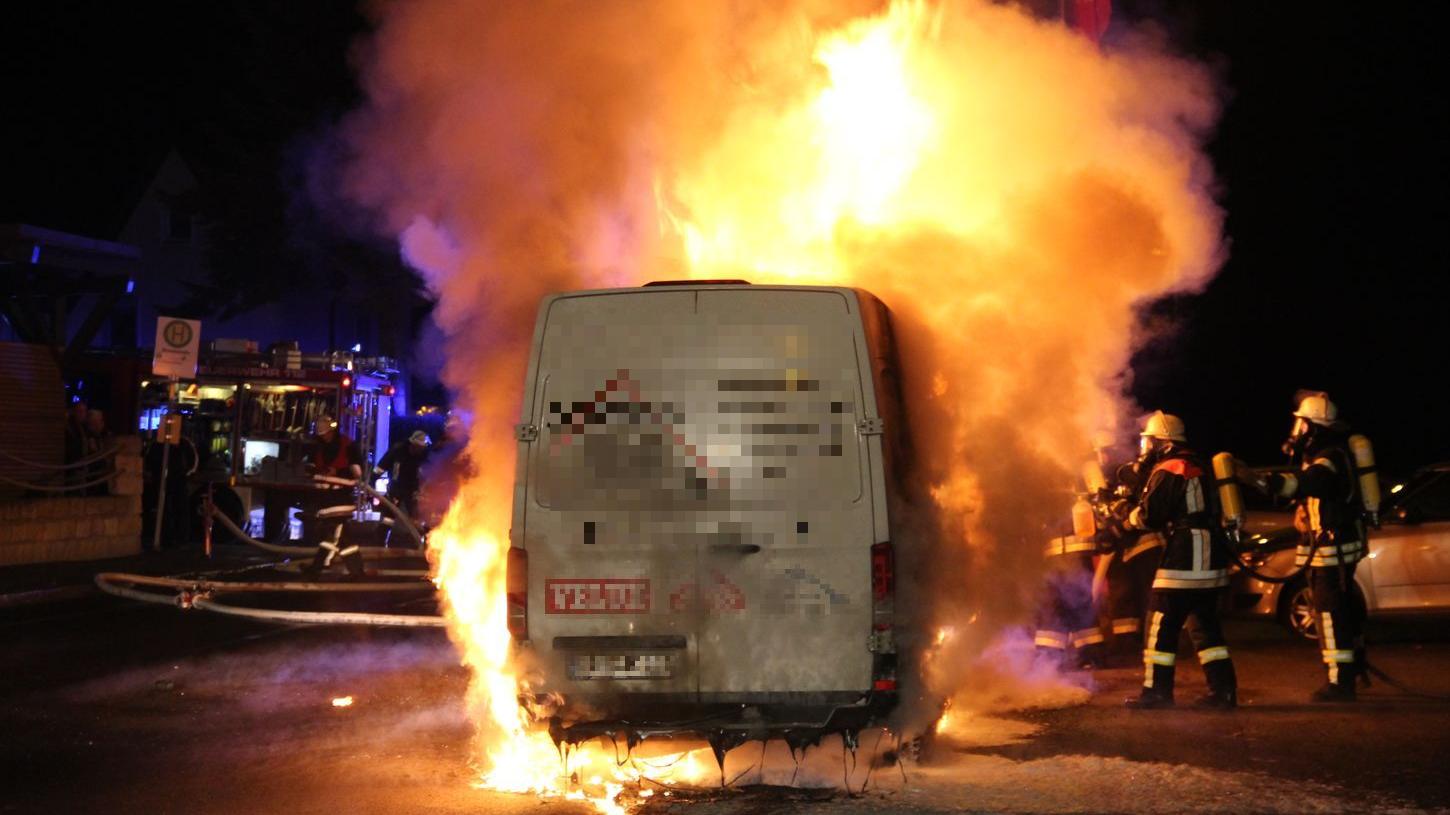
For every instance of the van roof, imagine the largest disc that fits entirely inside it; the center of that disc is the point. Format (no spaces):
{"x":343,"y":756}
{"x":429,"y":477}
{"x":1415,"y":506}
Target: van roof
{"x":696,"y":285}
{"x":723,"y":281}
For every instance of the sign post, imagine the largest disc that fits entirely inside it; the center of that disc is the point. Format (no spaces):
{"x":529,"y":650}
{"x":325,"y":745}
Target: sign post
{"x":178,"y":342}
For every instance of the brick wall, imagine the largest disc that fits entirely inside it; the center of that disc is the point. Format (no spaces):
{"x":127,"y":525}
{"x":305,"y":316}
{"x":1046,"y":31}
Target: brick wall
{"x":40,"y":530}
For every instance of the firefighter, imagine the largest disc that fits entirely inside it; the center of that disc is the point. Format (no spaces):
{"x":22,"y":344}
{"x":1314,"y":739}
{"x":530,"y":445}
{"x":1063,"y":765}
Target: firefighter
{"x":1131,"y":561}
{"x":1177,"y":503}
{"x":1328,"y":505}
{"x":402,"y":464}
{"x":1067,"y":618}
{"x":1067,"y":621}
{"x":335,"y":454}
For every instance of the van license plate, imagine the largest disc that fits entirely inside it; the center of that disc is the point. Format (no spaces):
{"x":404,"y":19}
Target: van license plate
{"x":621,"y":666}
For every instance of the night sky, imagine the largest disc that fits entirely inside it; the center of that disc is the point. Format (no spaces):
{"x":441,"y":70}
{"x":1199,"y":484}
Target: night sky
{"x":1331,"y":156}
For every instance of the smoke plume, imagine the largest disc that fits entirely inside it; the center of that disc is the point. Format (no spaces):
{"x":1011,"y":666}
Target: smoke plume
{"x":1011,"y":190}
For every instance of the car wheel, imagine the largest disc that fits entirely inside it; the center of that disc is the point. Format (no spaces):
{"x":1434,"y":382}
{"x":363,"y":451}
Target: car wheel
{"x":1297,"y":610}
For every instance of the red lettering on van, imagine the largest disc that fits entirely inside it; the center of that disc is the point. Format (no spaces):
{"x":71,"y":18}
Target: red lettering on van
{"x":589,"y":596}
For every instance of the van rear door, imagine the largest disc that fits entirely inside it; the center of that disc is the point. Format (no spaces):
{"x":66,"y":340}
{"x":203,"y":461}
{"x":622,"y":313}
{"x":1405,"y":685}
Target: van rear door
{"x":785,"y":572}
{"x":607,"y":534}
{"x":697,"y":516}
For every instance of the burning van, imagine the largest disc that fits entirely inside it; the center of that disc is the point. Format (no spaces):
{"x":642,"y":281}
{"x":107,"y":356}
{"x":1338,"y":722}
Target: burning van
{"x":700,"y":533}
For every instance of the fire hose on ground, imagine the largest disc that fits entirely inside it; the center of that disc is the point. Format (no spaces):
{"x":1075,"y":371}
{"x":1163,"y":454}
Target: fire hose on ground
{"x":322,"y":617}
{"x":198,"y":594}
{"x":199,"y":586}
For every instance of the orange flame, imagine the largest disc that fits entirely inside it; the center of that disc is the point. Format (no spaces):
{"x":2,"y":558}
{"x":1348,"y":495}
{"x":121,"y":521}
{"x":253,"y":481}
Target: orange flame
{"x":1010,"y":190}
{"x":518,"y":755}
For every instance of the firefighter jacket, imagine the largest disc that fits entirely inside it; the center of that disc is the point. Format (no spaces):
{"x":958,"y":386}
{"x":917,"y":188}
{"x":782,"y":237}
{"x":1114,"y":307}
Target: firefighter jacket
{"x":1070,"y":545}
{"x":1178,"y":504}
{"x":1326,"y":493}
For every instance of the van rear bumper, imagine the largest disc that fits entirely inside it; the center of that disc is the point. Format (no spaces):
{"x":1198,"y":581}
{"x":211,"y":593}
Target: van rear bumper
{"x":710,"y":717}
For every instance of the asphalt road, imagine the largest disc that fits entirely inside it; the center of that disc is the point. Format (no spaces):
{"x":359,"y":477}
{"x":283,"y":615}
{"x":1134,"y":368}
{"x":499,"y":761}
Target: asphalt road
{"x":110,"y":706}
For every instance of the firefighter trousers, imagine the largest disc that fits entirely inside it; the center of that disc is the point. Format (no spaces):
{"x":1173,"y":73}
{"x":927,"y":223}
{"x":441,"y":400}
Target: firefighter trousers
{"x":1168,"y":610}
{"x":1066,"y":618}
{"x":1129,"y":585}
{"x":1339,"y":615}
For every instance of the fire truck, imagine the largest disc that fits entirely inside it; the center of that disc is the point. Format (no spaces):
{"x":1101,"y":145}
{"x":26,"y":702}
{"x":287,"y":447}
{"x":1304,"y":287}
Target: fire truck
{"x":249,"y":415}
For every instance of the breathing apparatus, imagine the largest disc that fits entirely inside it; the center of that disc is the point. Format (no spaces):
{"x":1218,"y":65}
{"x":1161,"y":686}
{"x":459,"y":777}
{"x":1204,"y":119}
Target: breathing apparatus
{"x":1227,"y":471}
{"x":1362,"y":453}
{"x":1093,"y":517}
{"x":1084,"y":520}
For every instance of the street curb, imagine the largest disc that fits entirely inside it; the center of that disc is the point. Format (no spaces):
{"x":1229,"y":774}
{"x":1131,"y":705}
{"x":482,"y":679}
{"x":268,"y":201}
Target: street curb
{"x":51,"y":595}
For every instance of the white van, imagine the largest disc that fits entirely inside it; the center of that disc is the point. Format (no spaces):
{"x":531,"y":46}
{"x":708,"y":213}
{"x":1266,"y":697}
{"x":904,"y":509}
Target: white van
{"x":700,"y":537}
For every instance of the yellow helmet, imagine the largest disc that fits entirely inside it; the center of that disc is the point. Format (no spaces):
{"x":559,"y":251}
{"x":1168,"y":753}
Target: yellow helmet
{"x":1315,"y":406}
{"x":1164,"y":426}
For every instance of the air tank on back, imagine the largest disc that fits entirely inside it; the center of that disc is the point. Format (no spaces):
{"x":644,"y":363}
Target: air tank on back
{"x":1084,"y":522}
{"x":1229,"y":497}
{"x":1369,"y":479}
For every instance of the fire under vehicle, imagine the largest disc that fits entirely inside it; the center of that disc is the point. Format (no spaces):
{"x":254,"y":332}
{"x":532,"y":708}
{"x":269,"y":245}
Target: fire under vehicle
{"x":700,"y":537}
{"x":250,"y":417}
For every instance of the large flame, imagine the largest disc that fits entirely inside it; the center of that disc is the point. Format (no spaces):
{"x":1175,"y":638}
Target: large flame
{"x":1009,"y":189}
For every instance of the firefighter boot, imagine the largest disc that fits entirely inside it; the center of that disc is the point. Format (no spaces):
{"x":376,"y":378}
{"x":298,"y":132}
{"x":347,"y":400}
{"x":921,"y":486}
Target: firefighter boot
{"x":1333,"y":692}
{"x":1090,"y":657}
{"x":1050,"y":648}
{"x":1223,"y":692}
{"x":1340,"y":687}
{"x":1157,"y":689}
{"x":1149,"y":699}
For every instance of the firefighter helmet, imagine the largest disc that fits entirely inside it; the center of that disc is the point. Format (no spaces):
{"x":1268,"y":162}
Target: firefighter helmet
{"x":1164,"y":426}
{"x":324,"y":424}
{"x":1315,"y":406}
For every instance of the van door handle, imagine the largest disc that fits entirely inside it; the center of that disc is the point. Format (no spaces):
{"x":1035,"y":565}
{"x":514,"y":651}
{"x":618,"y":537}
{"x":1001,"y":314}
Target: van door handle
{"x":741,"y":548}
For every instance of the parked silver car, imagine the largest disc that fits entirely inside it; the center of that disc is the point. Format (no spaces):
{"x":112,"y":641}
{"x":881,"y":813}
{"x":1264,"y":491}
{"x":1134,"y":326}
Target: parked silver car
{"x":1407,"y":571}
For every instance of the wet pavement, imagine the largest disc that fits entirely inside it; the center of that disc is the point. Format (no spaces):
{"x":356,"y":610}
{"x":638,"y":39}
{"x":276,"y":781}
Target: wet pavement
{"x":112,"y":706}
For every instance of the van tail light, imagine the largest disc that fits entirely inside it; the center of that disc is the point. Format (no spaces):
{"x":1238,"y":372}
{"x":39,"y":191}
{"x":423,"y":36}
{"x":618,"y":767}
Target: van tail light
{"x":883,"y":618}
{"x":516,"y":583}
{"x":883,"y":573}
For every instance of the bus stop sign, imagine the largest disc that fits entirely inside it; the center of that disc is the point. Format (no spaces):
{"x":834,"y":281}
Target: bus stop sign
{"x":177,"y":344}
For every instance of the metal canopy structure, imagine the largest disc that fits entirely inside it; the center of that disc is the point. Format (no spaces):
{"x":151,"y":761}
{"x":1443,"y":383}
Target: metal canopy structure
{"x":44,"y":277}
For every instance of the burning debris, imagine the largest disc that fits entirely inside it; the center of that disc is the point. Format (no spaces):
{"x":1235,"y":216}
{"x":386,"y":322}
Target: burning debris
{"x":1011,"y":190}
